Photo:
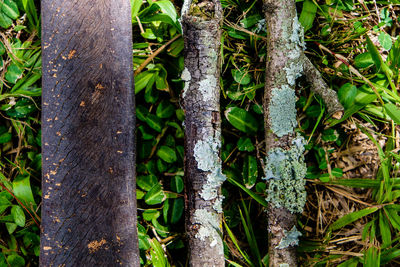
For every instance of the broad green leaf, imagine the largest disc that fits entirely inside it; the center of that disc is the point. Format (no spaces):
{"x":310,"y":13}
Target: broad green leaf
{"x":142,"y":80}
{"x":176,"y":210}
{"x":363,"y":60}
{"x":150,"y":214}
{"x":376,"y":57}
{"x":10,"y":8}
{"x":385,"y":40}
{"x":177,"y":184}
{"x":5,"y":21}
{"x":154,"y":122}
{"x":11,"y":227}
{"x":242,"y":120}
{"x":393,"y":111}
{"x":167,"y":154}
{"x":13,"y":73}
{"x":250,"y":171}
{"x":143,"y":237}
{"x":155,"y":195}
{"x":352,"y":217}
{"x":135,"y":6}
{"x":22,"y":190}
{"x":307,"y":15}
{"x":147,"y":182}
{"x":5,"y":137}
{"x":241,"y":77}
{"x":347,"y":93}
{"x":15,"y":260}
{"x":165,"y":109}
{"x":18,"y":215}
{"x":2,"y":49}
{"x":158,"y":258}
{"x":245,"y":144}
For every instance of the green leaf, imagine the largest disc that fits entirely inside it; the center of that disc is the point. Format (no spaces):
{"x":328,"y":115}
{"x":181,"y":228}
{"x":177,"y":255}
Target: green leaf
{"x":13,"y":73}
{"x":384,"y":229}
{"x":352,"y":217}
{"x":307,"y":15}
{"x":5,"y":21}
{"x":15,"y":260}
{"x":256,"y":197}
{"x":22,"y":190}
{"x":150,"y":214}
{"x":142,"y":80}
{"x":10,"y":8}
{"x":11,"y":227}
{"x":393,"y":111}
{"x":376,"y":57}
{"x":177,"y":184}
{"x":147,"y":182}
{"x":385,"y":40}
{"x":242,"y":120}
{"x":18,"y":215}
{"x":241,"y":77}
{"x":158,"y":258}
{"x":347,"y":93}
{"x":176,"y":210}
{"x":165,"y":109}
{"x":250,"y":171}
{"x":245,"y":144}
{"x":155,"y":195}
{"x":363,"y":60}
{"x":167,"y":154}
{"x":135,"y":6}
{"x":5,"y":137}
{"x":154,"y":122}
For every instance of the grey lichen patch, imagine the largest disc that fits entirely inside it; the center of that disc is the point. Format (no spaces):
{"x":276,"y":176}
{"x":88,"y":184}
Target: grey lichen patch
{"x":186,"y":77}
{"x":284,"y":265}
{"x":207,"y":87}
{"x":297,"y":36}
{"x":209,"y":228}
{"x":293,"y":70}
{"x":291,"y":238}
{"x":206,"y":154}
{"x":285,"y":170}
{"x":282,"y":110}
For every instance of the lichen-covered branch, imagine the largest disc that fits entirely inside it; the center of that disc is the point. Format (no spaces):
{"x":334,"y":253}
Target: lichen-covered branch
{"x":201,"y":21}
{"x":285,"y":168}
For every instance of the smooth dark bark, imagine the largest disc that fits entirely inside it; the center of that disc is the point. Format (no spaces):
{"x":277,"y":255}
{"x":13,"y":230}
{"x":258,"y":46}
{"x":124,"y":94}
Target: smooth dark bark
{"x":201,"y":22}
{"x":88,"y":120}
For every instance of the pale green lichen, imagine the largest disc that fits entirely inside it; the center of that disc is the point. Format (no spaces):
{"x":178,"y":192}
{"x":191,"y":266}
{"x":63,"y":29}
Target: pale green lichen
{"x":206,"y":154}
{"x":207,"y":87}
{"x":293,"y":70}
{"x":297,"y":36}
{"x":284,"y":265}
{"x":209,"y":229}
{"x":285,"y":170}
{"x":186,"y":77}
{"x":291,"y":238}
{"x":282,"y":110}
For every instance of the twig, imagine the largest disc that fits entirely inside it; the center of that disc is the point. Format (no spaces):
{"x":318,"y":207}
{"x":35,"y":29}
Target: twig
{"x":152,"y":56}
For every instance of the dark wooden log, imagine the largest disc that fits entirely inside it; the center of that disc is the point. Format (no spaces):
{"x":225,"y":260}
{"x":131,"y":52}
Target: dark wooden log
{"x":88,"y":126}
{"x":201,"y":21}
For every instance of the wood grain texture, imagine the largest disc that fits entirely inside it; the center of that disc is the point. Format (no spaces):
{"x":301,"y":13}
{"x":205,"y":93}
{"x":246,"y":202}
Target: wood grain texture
{"x":88,"y":118}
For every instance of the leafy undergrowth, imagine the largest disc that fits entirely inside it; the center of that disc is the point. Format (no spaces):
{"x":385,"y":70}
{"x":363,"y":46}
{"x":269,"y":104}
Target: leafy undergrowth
{"x":352,"y":213}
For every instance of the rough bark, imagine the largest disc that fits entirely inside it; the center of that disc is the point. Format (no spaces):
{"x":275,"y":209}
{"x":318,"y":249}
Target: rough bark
{"x":285,"y":168}
{"x":201,"y":22}
{"x":88,"y":118}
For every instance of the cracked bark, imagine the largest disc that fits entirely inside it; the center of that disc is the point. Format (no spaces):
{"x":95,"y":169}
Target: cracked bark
{"x":201,"y":21}
{"x":286,"y":62}
{"x":88,"y":118}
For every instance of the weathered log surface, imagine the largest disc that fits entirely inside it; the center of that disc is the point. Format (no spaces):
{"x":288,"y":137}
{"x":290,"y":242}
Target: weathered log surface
{"x":202,"y":35}
{"x":88,"y":119}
